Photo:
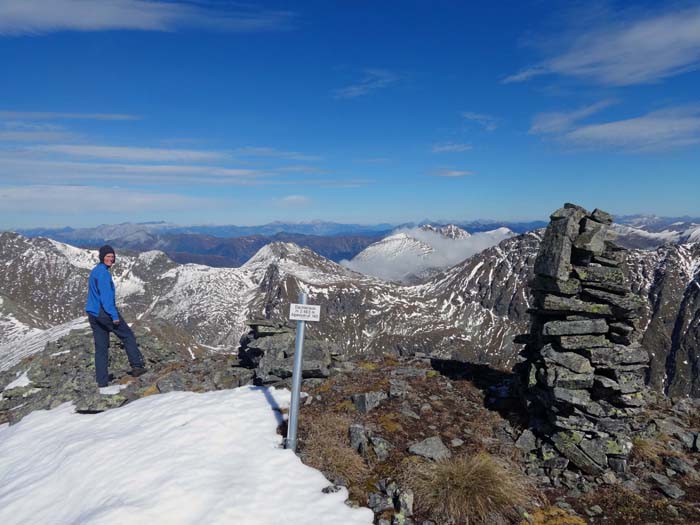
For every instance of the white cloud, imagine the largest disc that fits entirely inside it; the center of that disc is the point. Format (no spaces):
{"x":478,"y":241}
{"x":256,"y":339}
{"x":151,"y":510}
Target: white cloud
{"x":446,"y":172}
{"x":129,"y":153}
{"x":43,"y":115}
{"x":252,"y":151}
{"x":22,"y":17}
{"x":488,"y":122}
{"x":451,"y":147}
{"x":373,"y":160}
{"x":557,"y":122}
{"x":373,"y":79}
{"x":55,"y":199}
{"x":293,"y":201}
{"x":628,"y":51}
{"x":659,"y":130}
{"x":36,"y":136}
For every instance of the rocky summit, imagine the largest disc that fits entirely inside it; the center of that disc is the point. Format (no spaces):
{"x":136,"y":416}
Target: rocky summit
{"x":411,"y":401}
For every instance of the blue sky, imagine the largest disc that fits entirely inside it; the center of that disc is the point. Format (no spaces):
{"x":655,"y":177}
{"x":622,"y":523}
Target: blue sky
{"x":244,"y":113}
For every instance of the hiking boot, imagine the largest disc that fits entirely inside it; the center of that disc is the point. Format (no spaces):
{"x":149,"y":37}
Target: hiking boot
{"x":137,"y":371}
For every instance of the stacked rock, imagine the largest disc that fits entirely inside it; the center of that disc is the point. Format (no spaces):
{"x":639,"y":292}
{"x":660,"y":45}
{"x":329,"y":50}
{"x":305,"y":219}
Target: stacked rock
{"x":584,"y":370}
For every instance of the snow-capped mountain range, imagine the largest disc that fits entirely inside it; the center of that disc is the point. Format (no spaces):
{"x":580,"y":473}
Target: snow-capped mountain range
{"x":471,"y":311}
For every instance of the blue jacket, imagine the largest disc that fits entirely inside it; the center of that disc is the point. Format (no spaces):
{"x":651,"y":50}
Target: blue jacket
{"x":101,"y":293}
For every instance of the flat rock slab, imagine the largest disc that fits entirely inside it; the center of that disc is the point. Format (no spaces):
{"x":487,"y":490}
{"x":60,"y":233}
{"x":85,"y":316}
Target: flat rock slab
{"x":664,"y":485}
{"x":556,"y":304}
{"x":590,"y":326}
{"x":431,"y":448}
{"x":571,"y":360}
{"x":580,"y":342}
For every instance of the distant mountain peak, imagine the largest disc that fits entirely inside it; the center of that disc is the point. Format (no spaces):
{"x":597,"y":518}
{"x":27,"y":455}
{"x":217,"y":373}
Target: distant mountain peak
{"x":450,"y":231}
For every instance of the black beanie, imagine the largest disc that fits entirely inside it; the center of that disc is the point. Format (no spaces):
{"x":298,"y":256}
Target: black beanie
{"x":106,"y":249}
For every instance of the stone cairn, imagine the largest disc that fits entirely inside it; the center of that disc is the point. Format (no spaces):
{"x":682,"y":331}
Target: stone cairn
{"x":584,"y":370}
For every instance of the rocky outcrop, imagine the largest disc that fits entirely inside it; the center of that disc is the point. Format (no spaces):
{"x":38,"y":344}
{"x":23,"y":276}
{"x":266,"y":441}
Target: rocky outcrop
{"x":584,"y":369}
{"x":65,"y":372}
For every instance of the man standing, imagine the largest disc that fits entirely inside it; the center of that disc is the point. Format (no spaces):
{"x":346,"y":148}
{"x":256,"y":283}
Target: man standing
{"x":105,"y":318}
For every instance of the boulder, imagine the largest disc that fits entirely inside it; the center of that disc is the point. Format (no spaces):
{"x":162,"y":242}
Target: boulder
{"x":368,"y":400}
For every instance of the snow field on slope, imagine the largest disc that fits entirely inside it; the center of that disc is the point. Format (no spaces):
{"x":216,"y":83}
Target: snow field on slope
{"x":177,"y":458}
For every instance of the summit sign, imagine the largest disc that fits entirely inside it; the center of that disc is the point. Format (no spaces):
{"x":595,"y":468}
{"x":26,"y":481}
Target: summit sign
{"x":304,"y":312}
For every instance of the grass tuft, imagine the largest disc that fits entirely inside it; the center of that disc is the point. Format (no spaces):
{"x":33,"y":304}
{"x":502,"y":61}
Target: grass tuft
{"x":325,"y":445}
{"x":478,"y":490}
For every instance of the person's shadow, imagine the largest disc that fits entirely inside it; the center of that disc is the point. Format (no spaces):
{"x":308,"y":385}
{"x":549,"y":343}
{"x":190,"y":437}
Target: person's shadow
{"x":496,"y":385}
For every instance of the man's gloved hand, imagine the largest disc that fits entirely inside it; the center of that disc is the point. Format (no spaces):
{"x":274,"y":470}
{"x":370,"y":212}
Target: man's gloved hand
{"x":116,"y":322}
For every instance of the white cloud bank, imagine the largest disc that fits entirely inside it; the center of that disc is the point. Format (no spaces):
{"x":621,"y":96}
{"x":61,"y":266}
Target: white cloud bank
{"x":23,"y":17}
{"x":629,"y":51}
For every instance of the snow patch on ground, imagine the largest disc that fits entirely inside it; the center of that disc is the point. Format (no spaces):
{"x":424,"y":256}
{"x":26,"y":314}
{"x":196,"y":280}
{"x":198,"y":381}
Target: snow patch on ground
{"x":111,"y":390}
{"x":22,"y":380}
{"x":177,"y":458}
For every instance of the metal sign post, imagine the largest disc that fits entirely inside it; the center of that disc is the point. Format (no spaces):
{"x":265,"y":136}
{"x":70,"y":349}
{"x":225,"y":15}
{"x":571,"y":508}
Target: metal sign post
{"x":301,"y":313}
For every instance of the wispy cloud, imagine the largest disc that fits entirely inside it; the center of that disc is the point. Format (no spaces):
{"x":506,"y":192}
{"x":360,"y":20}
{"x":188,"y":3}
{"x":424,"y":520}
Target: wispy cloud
{"x":251,"y":151}
{"x":130,"y":154}
{"x":60,"y":199}
{"x":22,"y":17}
{"x":447,"y":172}
{"x":488,"y":122}
{"x":373,"y":160}
{"x":47,"y":115}
{"x":293,"y":201}
{"x":36,"y":136}
{"x":656,"y":131}
{"x":34,"y":171}
{"x":628,"y":51}
{"x":372,"y":80}
{"x":451,"y":147}
{"x":558,"y":122}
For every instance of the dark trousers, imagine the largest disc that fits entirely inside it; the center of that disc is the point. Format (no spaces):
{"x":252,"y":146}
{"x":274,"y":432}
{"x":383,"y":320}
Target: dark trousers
{"x":101,"y":326}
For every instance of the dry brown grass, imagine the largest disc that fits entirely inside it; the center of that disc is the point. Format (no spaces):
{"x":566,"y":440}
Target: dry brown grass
{"x":389,"y":423}
{"x":474,"y":490}
{"x":553,"y":516}
{"x":652,"y":451}
{"x":325,"y":445}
